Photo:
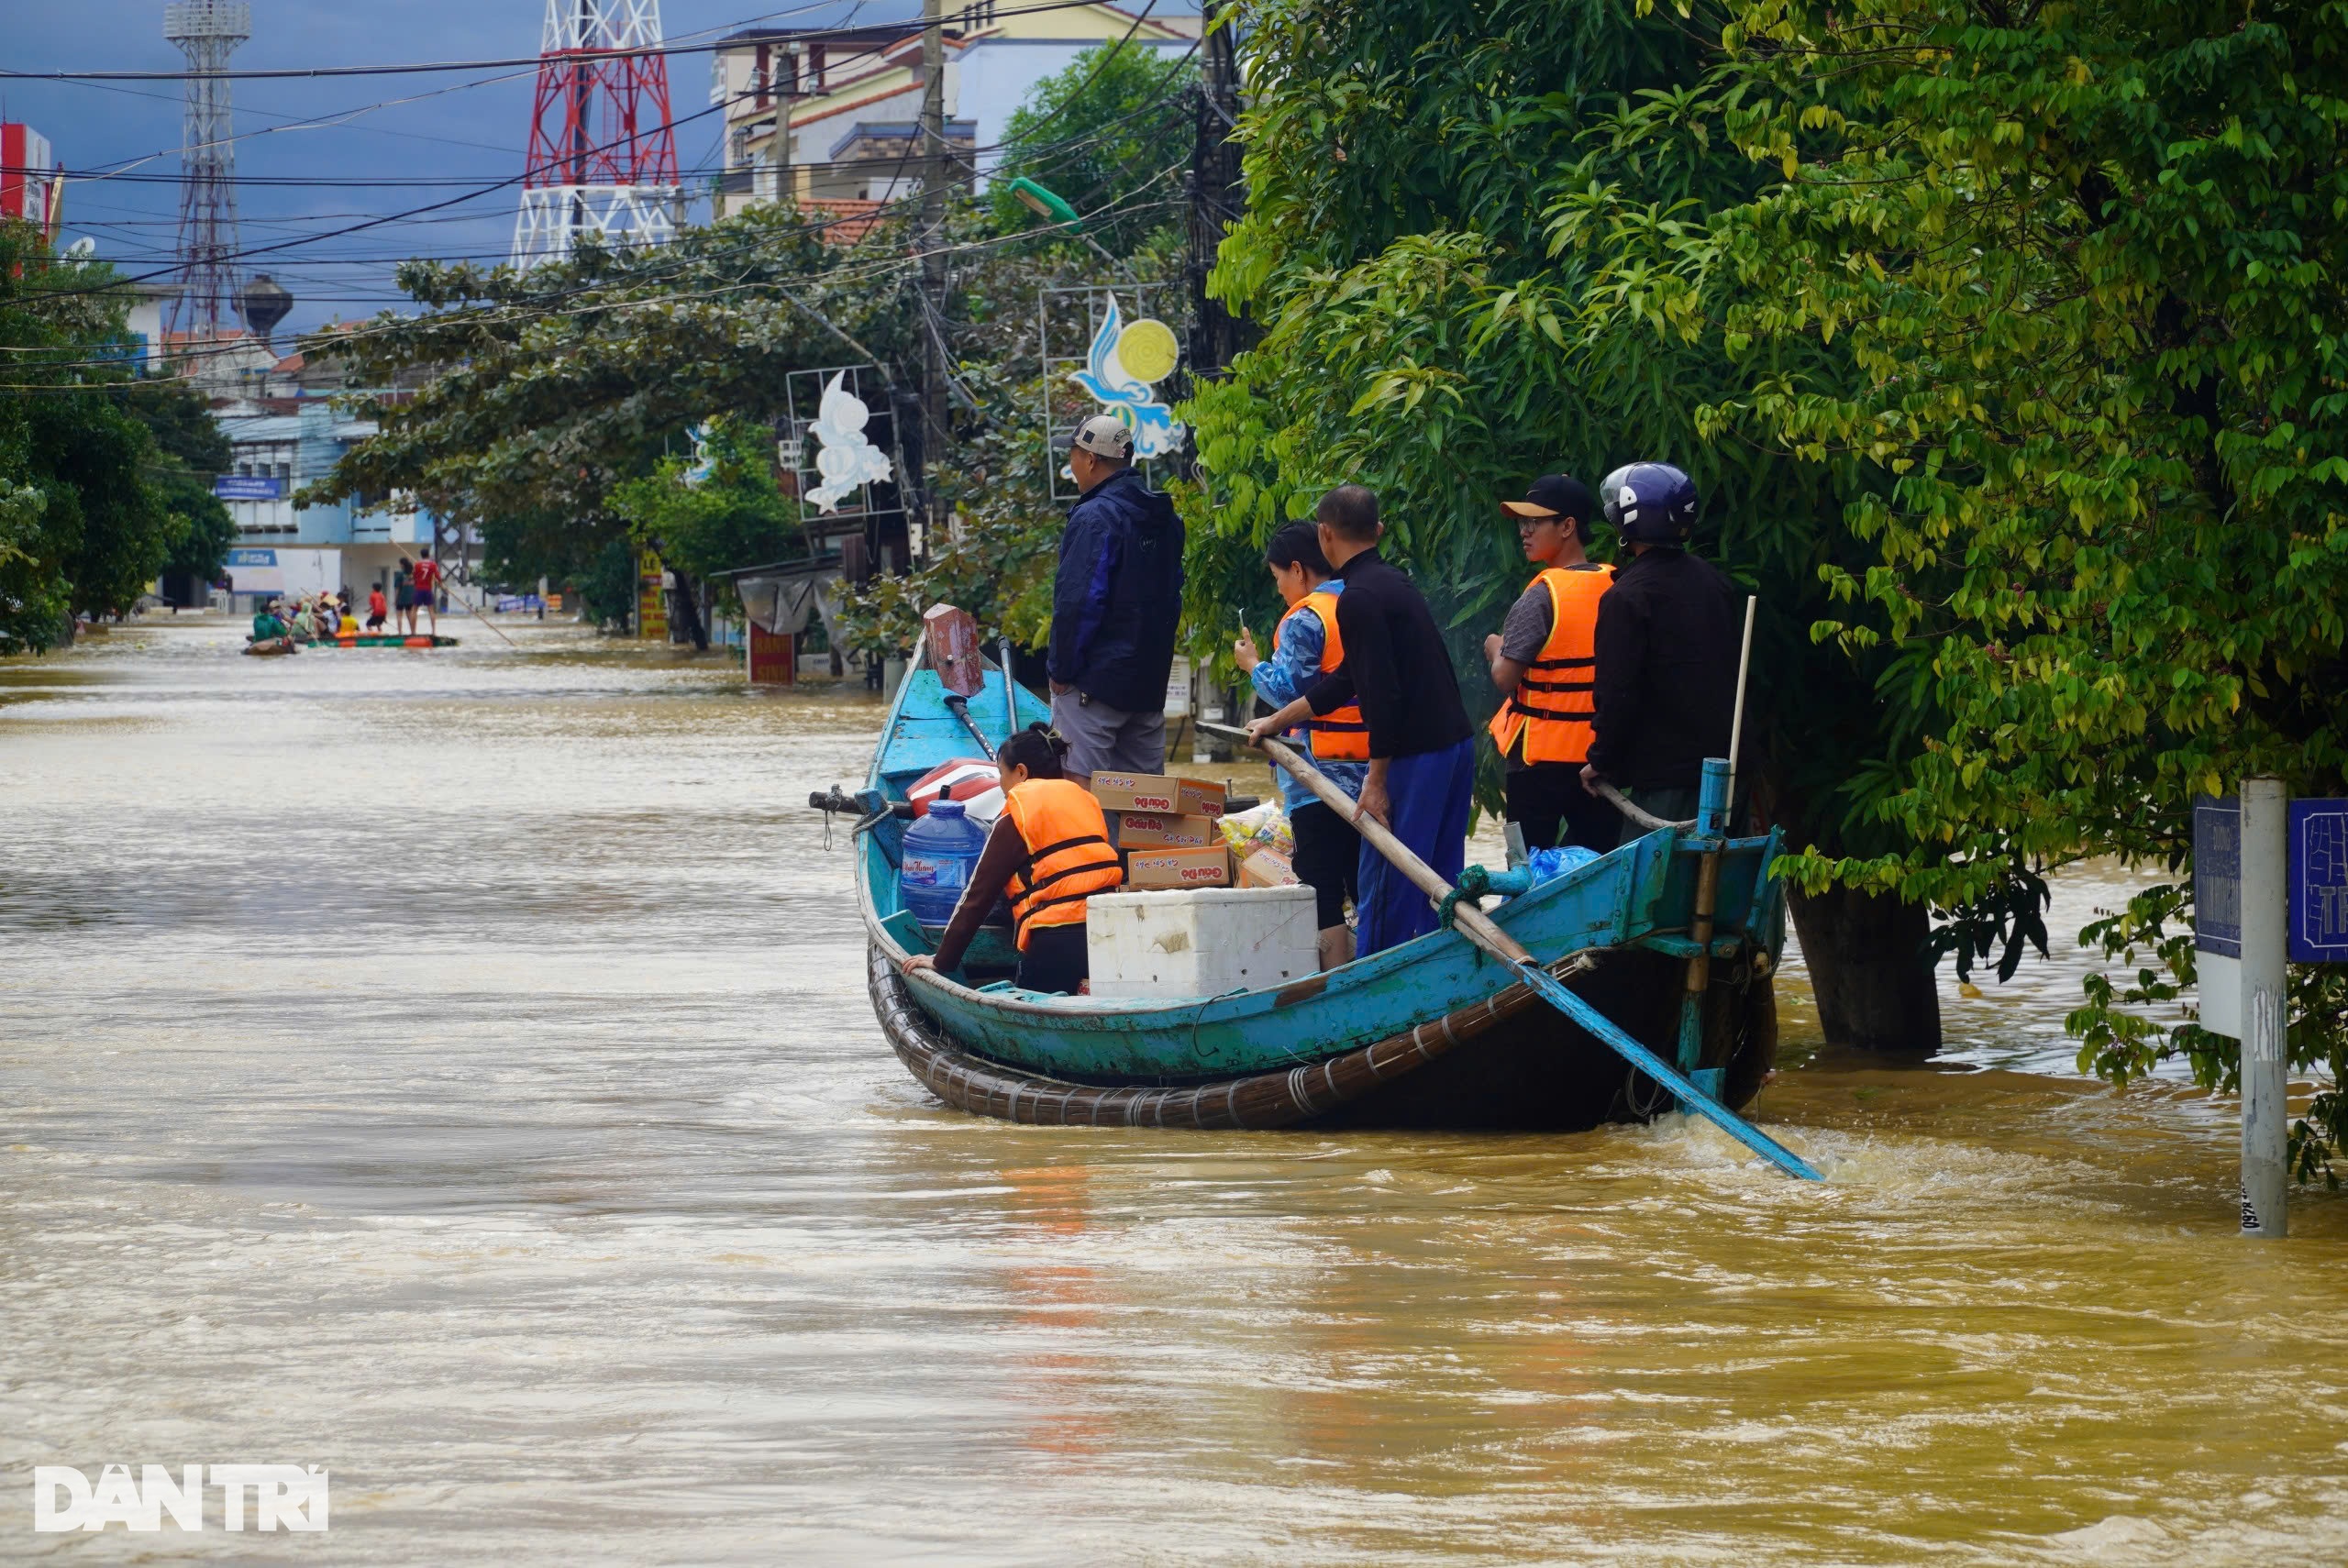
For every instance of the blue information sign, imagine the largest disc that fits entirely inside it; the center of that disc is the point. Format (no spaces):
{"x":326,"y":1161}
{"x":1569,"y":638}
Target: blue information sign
{"x":2318,"y":880}
{"x":248,"y":487}
{"x":252,"y":557}
{"x":2216,"y":876}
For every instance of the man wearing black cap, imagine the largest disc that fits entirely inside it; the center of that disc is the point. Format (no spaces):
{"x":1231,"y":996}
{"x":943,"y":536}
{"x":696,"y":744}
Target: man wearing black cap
{"x":1544,"y":659}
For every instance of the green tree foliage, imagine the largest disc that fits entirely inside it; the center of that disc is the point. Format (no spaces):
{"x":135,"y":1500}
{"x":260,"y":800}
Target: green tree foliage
{"x":1106,"y":135}
{"x":998,"y":561}
{"x":1459,"y":243}
{"x":82,"y":527}
{"x":731,"y":515}
{"x":32,"y":591}
{"x":541,"y":393}
{"x":551,"y":387}
{"x":191,"y":448}
{"x":607,"y":585}
{"x":2088,"y":262}
{"x":104,"y":513}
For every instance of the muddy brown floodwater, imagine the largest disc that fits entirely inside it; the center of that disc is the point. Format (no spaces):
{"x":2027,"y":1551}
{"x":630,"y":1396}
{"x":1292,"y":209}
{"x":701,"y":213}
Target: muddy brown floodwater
{"x":455,"y":1070}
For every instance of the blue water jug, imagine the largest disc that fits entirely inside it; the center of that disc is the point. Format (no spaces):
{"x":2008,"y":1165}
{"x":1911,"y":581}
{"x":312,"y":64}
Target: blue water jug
{"x":942,"y":848}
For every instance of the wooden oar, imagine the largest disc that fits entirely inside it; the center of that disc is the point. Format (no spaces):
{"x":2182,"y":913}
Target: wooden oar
{"x":1478,"y":928}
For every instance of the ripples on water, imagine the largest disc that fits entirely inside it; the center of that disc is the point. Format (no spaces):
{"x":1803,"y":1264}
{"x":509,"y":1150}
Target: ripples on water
{"x":455,"y":1070}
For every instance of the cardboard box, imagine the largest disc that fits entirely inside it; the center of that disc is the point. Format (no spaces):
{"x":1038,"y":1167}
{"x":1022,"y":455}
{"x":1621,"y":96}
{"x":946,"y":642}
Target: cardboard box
{"x":1206,"y":867}
{"x":1138,"y":792}
{"x":1266,"y":868}
{"x":1199,"y":798}
{"x":1154,"y":830}
{"x":1156,"y":792}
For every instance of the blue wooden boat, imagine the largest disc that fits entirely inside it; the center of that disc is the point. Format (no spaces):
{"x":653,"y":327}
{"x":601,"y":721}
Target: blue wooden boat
{"x":1436,"y":1032}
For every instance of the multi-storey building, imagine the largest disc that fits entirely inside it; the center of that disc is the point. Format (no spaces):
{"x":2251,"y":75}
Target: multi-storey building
{"x":32,"y":182}
{"x":853,"y":101}
{"x":281,"y":549}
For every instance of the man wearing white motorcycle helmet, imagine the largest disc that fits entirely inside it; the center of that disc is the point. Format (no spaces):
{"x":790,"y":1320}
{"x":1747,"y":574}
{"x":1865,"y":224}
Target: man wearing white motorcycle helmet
{"x":1665,"y":645}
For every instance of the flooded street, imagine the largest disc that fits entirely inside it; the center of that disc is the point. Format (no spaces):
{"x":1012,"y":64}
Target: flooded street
{"x":455,"y":1070}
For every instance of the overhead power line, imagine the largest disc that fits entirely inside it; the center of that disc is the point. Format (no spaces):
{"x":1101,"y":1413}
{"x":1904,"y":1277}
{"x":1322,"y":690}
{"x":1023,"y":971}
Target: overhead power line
{"x":882,"y":265}
{"x":900,"y":264}
{"x":480,"y":189}
{"x":584,"y":57}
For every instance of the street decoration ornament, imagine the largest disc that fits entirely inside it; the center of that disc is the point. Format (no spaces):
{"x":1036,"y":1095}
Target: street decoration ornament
{"x":846,"y":459}
{"x":1121,"y":371}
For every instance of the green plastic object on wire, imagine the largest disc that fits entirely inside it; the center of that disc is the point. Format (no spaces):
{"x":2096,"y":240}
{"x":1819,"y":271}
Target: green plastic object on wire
{"x":1044,"y":202}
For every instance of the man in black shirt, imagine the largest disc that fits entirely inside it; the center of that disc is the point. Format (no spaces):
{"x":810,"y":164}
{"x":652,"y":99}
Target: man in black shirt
{"x":1667,"y":647}
{"x":1422,"y":751}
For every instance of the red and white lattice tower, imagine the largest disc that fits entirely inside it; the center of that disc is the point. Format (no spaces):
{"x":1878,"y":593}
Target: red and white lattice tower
{"x":603,"y":157}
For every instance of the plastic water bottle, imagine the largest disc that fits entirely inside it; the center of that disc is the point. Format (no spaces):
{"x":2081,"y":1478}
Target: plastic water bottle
{"x":942,"y":849}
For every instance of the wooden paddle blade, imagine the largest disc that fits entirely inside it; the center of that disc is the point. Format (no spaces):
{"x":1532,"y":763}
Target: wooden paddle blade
{"x":1610,"y":1035}
{"x":952,"y":638}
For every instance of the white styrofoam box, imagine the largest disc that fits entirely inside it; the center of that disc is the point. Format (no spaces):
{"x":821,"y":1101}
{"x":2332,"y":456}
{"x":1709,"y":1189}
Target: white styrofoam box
{"x":1200,"y":942}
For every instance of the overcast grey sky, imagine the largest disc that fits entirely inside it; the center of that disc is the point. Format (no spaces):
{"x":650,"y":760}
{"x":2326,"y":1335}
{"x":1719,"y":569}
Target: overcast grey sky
{"x":469,"y":127}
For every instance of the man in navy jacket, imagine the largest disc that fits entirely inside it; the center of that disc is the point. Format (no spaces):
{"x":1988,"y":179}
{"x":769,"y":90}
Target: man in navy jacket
{"x":1116,"y":601}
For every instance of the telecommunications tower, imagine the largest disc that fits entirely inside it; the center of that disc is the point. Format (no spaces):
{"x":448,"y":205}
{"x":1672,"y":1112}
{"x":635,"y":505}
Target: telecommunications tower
{"x":603,"y":157}
{"x":207,"y":32}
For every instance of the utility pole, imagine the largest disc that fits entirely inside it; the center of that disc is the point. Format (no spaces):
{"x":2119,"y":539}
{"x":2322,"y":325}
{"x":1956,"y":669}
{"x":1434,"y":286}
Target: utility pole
{"x":936,"y":435}
{"x":783,"y":82}
{"x":1217,"y":193}
{"x":2266,"y":1007}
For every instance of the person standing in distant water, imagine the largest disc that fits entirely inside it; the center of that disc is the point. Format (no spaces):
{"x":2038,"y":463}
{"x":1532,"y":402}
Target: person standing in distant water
{"x":1305,"y":646}
{"x":1116,"y":601}
{"x":375,"y":609}
{"x":1422,"y":774}
{"x":404,"y":593}
{"x":428,"y":590}
{"x":1667,"y":649}
{"x":1543,"y":660}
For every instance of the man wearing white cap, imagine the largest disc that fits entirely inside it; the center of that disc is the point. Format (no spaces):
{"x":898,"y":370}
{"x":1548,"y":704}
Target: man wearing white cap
{"x":1115,"y":601}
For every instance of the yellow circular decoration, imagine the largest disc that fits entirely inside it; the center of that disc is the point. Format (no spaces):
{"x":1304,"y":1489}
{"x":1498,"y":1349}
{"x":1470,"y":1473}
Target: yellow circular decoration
{"x":1148,"y":350}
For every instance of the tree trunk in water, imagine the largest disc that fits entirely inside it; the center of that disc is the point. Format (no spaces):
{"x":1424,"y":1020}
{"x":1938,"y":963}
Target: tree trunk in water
{"x":1866,"y":956}
{"x":689,"y":606}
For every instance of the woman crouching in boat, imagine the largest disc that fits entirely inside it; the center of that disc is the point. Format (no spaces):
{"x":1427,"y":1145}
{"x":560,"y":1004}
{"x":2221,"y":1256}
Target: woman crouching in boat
{"x":1049,"y":852}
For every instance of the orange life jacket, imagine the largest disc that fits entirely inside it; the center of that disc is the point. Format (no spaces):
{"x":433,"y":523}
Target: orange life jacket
{"x":1339,"y":735}
{"x":1069,"y":854}
{"x":1553,"y":704}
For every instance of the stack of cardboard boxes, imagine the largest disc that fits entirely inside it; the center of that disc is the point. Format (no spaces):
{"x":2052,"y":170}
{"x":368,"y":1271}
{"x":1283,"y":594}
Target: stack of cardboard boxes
{"x":1169,"y":832}
{"x":1165,"y":829}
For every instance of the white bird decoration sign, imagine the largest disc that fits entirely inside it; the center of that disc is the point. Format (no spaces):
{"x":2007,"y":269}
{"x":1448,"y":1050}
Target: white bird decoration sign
{"x":845,"y":459}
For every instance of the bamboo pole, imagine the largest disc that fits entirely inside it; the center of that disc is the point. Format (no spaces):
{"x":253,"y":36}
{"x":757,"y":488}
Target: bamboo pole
{"x":1736,"y":724}
{"x":1478,"y":927}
